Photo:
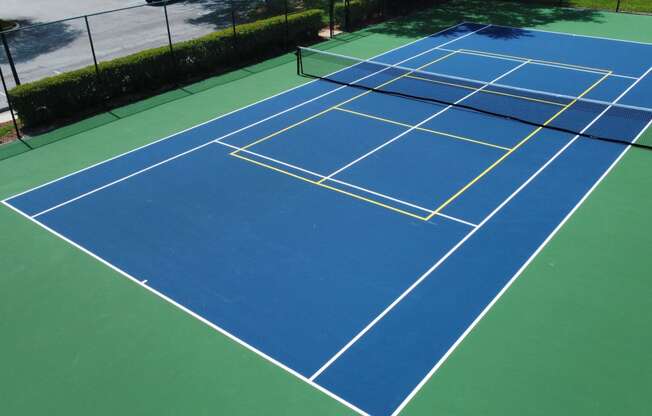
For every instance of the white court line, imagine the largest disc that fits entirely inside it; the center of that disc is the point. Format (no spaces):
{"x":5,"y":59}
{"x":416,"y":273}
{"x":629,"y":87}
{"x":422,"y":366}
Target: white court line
{"x":461,"y":242}
{"x":536,"y":62}
{"x":212,"y":120}
{"x":124,"y":178}
{"x":319,"y":175}
{"x":566,"y":34}
{"x":535,"y":253}
{"x":205,"y":321}
{"x":405,"y":293}
{"x":219,"y":139}
{"x":189,"y":312}
{"x":416,"y":126}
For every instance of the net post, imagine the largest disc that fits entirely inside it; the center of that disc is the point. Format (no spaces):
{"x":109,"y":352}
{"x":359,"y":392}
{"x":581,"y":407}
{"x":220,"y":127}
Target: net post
{"x":11,"y":111}
{"x":10,"y":58}
{"x":299,"y":61}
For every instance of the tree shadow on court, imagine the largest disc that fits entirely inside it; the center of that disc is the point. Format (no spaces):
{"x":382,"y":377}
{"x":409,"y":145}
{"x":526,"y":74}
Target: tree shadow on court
{"x":29,"y":43}
{"x":508,"y":13}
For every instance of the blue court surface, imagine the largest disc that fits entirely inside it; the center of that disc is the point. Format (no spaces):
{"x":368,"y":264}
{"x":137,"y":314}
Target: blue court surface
{"x":352,"y":237}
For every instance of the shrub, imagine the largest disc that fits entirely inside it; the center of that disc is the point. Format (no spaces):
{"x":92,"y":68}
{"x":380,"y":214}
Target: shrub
{"x":359,"y":12}
{"x":76,"y":92}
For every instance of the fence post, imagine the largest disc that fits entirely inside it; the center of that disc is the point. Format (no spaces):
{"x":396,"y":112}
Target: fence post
{"x":90,"y":40}
{"x":10,"y":58}
{"x":331,"y":17}
{"x":175,"y":67}
{"x":233,"y":20}
{"x":618,"y":6}
{"x":347,"y":19}
{"x":11,"y":110}
{"x":287,"y":28}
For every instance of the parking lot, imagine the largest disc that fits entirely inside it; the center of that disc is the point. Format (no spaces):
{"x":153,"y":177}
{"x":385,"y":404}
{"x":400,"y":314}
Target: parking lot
{"x":62,"y":46}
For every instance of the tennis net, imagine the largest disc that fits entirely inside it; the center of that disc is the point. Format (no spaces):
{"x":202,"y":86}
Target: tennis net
{"x":576,"y":115}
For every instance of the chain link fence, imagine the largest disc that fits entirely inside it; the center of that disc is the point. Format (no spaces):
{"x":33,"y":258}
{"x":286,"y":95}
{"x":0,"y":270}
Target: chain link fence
{"x":33,"y":52}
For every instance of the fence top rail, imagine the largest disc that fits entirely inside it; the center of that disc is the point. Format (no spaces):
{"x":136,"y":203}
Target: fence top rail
{"x":82,"y":16}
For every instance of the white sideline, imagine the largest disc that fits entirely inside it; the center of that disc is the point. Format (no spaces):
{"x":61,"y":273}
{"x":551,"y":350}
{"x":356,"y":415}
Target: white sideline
{"x":564,"y":33}
{"x":537,"y":251}
{"x":211,"y":120}
{"x":218,"y":140}
{"x":360,"y":188}
{"x":162,"y":296}
{"x":409,"y":290}
{"x":142,"y":283}
{"x":428,"y":119}
{"x":536,"y":62}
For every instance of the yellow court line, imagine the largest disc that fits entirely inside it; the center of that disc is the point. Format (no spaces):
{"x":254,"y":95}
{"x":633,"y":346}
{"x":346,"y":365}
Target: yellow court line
{"x":441,"y":133}
{"x":332,"y":188}
{"x":521,"y":58}
{"x":523,"y":97}
{"x":321,"y":113}
{"x":506,"y":155}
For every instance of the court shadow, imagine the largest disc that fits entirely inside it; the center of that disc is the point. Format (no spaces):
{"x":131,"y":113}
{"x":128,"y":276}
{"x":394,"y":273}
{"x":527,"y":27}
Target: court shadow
{"x":508,"y":13}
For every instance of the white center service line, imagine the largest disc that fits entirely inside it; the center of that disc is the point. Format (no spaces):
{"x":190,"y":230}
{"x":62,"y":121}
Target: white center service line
{"x":391,"y":306}
{"x":417,"y":126}
{"x":459,"y":244}
{"x":541,"y":246}
{"x":210,"y":121}
{"x":219,"y":139}
{"x":347,"y":184}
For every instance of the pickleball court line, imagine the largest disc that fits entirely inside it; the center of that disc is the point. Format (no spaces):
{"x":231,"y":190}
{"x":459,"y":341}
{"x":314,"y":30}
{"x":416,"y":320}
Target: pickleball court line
{"x":171,"y":136}
{"x":420,"y":124}
{"x":534,"y":254}
{"x":410,"y":289}
{"x":133,"y":174}
{"x":347,"y":184}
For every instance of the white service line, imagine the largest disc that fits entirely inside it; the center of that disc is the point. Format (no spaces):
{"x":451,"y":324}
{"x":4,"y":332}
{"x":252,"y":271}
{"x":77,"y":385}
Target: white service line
{"x":181,"y":307}
{"x":538,"y":250}
{"x":211,"y":120}
{"x":565,"y":33}
{"x":416,"y":126}
{"x":188,"y":311}
{"x":405,"y":293}
{"x":461,"y":242}
{"x":219,"y":139}
{"x":319,"y":175}
{"x":537,"y":62}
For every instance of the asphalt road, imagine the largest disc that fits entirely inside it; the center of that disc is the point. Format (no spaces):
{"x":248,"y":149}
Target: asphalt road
{"x":47,"y":50}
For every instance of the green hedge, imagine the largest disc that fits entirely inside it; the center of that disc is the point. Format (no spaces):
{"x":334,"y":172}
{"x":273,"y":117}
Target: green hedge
{"x":77,"y":92}
{"x":359,"y":12}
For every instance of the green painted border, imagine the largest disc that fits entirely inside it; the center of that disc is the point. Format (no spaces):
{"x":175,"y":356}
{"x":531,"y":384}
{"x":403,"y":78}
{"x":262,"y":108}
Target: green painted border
{"x":567,"y":338}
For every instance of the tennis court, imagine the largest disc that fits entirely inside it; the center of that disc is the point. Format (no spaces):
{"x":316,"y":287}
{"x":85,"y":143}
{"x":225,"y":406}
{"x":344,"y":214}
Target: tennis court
{"x":355,"y":229}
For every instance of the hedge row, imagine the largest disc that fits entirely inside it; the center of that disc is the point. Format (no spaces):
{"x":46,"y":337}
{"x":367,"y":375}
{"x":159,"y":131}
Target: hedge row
{"x":77,"y":92}
{"x":359,"y":12}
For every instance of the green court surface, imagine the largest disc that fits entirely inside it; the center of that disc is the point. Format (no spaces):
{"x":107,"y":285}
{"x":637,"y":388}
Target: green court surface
{"x":571,"y":336}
